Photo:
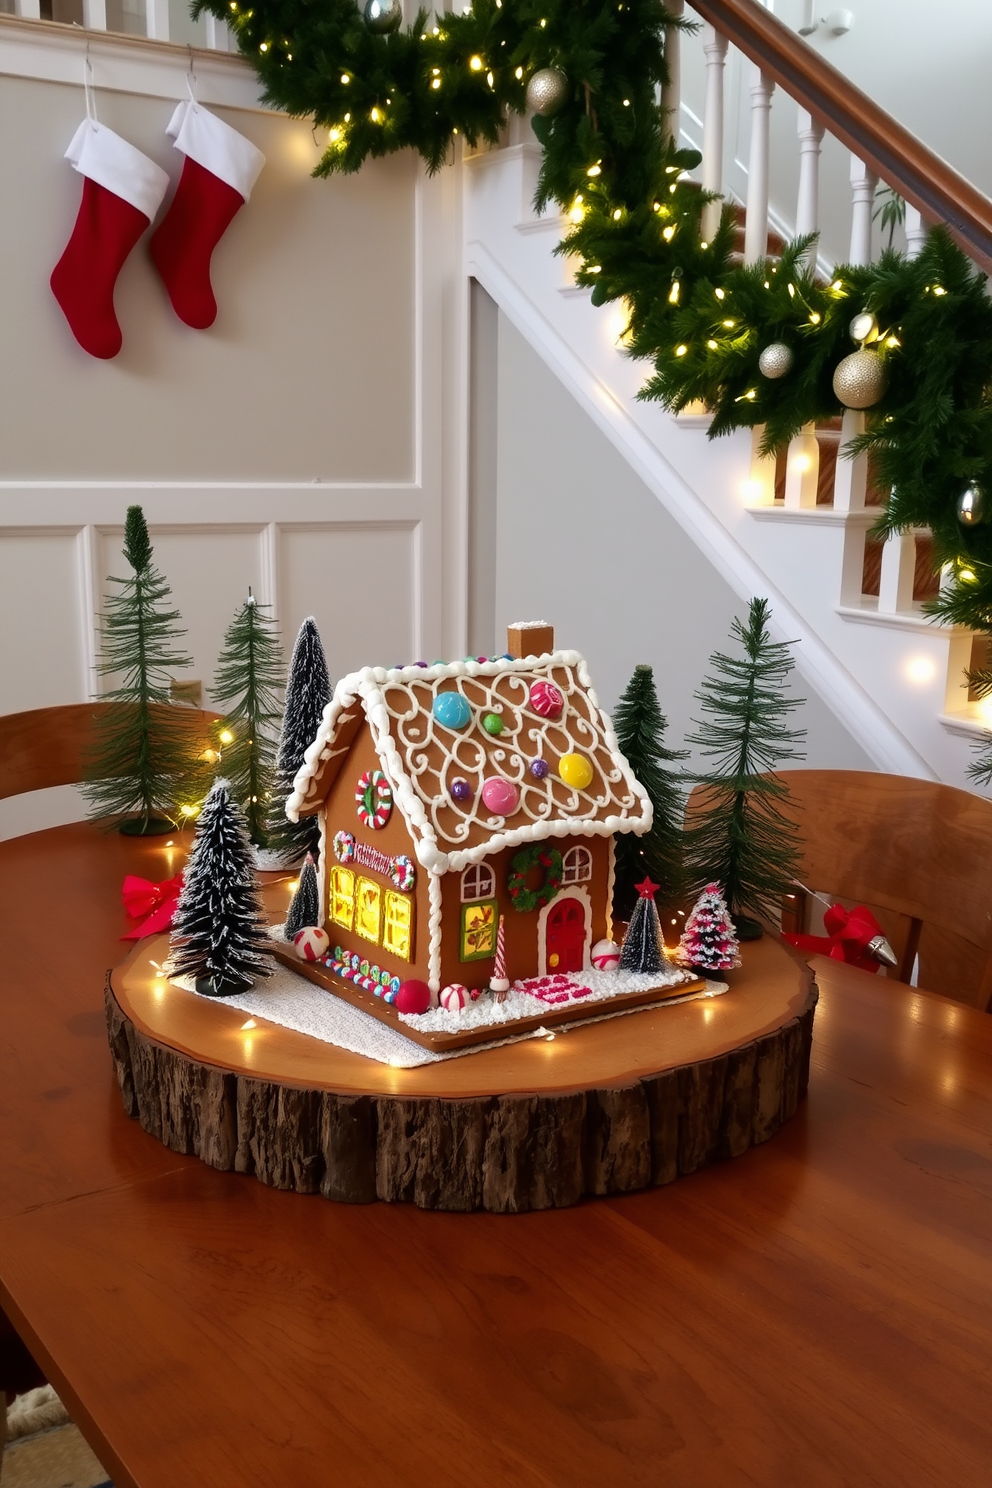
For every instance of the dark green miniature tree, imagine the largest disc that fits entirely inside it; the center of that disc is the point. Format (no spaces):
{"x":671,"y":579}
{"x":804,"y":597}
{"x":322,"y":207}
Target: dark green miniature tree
{"x":246,"y":686}
{"x":308,"y":691}
{"x":740,"y":835}
{"x":142,"y":746}
{"x":219,"y":933}
{"x":640,"y":729}
{"x":305,"y":906}
{"x":642,"y":945}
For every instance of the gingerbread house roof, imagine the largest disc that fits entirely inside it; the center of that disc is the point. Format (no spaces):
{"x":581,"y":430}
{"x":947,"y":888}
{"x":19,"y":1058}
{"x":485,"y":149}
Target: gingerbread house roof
{"x":422,"y":757}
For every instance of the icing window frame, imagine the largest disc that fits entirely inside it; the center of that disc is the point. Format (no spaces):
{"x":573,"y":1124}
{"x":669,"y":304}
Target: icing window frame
{"x":576,"y":866}
{"x":341,"y":900}
{"x":477,"y":931}
{"x":478,"y":882}
{"x":368,"y":910}
{"x":397,"y":924}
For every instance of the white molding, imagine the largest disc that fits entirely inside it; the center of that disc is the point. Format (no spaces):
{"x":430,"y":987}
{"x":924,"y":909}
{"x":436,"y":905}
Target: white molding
{"x":812,"y":516}
{"x":903,"y":620}
{"x":53,"y":53}
{"x":967,"y":727}
{"x":878,"y":736}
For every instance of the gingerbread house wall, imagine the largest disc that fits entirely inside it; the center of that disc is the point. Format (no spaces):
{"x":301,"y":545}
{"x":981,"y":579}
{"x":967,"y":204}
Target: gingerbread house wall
{"x":340,"y":815}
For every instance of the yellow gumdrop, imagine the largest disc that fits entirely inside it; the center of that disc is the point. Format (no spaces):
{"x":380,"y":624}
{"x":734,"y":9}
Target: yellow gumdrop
{"x":575,"y":770}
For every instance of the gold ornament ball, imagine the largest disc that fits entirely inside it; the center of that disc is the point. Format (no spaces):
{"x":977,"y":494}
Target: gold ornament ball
{"x":864,"y":327}
{"x":971,"y":507}
{"x":547,"y":91}
{"x":860,"y":379}
{"x":575,"y":770}
{"x":776,"y":360}
{"x":383,"y":16}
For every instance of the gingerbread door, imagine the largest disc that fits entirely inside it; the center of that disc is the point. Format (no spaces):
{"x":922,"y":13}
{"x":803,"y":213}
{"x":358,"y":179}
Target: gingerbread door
{"x":566,"y":936}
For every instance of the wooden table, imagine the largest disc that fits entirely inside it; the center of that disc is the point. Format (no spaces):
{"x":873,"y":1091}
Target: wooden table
{"x":817,"y":1312}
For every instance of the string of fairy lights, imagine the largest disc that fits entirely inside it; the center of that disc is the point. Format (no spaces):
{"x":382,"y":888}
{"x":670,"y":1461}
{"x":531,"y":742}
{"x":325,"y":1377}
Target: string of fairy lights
{"x":770,"y":344}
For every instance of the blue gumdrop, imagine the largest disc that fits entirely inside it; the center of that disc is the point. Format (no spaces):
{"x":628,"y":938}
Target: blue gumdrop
{"x":452,"y":710}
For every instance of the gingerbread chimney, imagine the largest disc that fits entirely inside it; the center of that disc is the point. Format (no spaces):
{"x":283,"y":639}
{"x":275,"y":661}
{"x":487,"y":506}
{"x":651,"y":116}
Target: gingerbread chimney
{"x":529,"y":638}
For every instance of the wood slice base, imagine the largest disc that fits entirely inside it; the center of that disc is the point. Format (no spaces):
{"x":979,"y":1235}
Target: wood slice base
{"x":470,"y":1138}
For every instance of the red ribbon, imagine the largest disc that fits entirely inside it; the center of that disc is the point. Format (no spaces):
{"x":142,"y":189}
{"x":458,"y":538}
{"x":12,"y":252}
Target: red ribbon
{"x":154,"y":901}
{"x":849,"y":933}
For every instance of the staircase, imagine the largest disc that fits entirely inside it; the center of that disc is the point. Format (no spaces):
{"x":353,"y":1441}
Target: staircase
{"x":796,"y":530}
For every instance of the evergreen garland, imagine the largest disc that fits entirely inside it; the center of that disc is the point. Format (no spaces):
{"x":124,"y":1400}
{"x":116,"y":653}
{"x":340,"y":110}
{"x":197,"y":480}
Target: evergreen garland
{"x":305,"y":907}
{"x":141,"y":748}
{"x":246,"y":684}
{"x":219,"y":930}
{"x":308,"y":691}
{"x":739,"y":835}
{"x":693,"y":312}
{"x":640,"y":725}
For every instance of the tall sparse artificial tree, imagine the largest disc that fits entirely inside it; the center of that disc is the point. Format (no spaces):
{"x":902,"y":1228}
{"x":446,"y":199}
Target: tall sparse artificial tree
{"x":740,"y":835}
{"x":219,"y":930}
{"x":308,"y":691}
{"x":142,"y":746}
{"x":246,"y":686}
{"x":640,"y":727}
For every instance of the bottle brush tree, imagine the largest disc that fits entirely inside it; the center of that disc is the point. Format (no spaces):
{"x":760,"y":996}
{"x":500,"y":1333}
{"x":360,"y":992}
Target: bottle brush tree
{"x":246,"y":686}
{"x":708,"y":941}
{"x":305,"y":907}
{"x":642,"y":948}
{"x":219,"y":935}
{"x":640,"y":727}
{"x":740,"y":835}
{"x":308,"y":691}
{"x":142,"y":746}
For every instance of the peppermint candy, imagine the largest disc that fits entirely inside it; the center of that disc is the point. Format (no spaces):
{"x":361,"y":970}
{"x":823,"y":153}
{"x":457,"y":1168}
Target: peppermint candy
{"x":373,"y":799}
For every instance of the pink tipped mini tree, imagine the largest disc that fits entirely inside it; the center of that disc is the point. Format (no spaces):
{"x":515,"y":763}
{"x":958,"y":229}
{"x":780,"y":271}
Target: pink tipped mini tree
{"x":708,"y":941}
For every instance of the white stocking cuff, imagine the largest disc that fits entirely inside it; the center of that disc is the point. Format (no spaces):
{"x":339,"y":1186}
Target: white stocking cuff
{"x":216,"y":146}
{"x":104,"y":157}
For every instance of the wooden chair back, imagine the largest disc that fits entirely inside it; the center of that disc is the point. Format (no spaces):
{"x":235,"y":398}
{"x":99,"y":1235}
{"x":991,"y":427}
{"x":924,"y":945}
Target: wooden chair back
{"x":919,"y":855}
{"x":49,"y":746}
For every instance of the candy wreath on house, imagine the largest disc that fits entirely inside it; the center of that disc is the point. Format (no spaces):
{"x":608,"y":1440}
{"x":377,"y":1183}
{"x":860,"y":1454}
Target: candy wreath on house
{"x":468,"y":813}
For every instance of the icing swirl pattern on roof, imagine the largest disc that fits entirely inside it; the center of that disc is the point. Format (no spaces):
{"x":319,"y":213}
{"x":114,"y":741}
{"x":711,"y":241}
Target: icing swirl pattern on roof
{"x":423,"y":758}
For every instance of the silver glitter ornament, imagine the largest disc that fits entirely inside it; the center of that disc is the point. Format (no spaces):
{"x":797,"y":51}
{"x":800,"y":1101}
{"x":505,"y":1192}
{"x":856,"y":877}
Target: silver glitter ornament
{"x":860,"y":379}
{"x":971,"y":507}
{"x":864,"y":327}
{"x":547,"y":91}
{"x":383,"y":16}
{"x":776,"y":360}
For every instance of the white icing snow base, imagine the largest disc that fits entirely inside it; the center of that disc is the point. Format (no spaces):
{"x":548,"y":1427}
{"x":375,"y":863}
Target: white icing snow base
{"x":293,"y":1002}
{"x":593,"y":986}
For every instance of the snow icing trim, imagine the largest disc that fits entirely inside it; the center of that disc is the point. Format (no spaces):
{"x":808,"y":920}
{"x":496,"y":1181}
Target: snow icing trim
{"x":366,"y":686}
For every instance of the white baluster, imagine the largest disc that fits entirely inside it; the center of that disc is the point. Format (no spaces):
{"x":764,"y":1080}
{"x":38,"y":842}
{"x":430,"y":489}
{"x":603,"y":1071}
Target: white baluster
{"x":916,"y":231}
{"x":671,"y":93}
{"x":715,"y":51}
{"x":761,"y":484}
{"x":218,"y":35}
{"x":802,"y":471}
{"x":808,"y":206}
{"x":898,"y":577}
{"x":95,"y":15}
{"x":157,"y":19}
{"x":30,"y":10}
{"x":863,"y":183}
{"x":756,"y":226}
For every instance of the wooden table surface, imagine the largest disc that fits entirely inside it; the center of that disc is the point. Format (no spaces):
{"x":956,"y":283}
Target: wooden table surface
{"x":818,"y":1312}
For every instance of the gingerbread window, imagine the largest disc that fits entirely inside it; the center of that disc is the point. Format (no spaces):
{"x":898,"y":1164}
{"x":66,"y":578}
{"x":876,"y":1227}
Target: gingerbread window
{"x":368,"y":910}
{"x":576,"y":865}
{"x":397,"y":931}
{"x":478,"y":882}
{"x":479,"y":922}
{"x":342,"y":903}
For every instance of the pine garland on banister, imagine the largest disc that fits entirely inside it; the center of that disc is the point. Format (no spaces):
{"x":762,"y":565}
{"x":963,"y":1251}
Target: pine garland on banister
{"x":702,"y":320}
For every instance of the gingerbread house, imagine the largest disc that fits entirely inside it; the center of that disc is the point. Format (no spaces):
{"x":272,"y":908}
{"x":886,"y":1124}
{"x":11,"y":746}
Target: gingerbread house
{"x":457,"y":794}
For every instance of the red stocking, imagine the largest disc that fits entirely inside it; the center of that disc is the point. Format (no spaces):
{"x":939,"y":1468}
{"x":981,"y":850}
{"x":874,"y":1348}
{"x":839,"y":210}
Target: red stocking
{"x":122,"y":191}
{"x":220,"y":169}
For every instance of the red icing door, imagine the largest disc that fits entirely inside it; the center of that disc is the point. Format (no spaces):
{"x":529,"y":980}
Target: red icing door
{"x":566,"y":936}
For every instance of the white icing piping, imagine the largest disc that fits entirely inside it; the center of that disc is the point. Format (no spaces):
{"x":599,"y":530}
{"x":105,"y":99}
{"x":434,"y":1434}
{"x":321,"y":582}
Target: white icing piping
{"x":434,"y":933}
{"x":611,"y":879}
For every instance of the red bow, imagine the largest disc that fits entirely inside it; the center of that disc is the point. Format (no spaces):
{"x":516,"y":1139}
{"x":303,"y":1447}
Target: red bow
{"x":157,"y":901}
{"x":854,"y":936}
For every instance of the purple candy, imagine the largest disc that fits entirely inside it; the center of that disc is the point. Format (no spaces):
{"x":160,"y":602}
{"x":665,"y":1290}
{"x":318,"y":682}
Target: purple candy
{"x":539,"y":768}
{"x":461,"y":790}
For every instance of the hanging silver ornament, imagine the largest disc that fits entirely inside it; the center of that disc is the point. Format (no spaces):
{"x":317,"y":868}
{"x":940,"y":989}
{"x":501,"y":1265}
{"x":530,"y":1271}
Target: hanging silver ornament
{"x":971,"y":507}
{"x":383,"y":16}
{"x":776,"y":360}
{"x":864,"y":328}
{"x":860,"y":379}
{"x":547,"y":91}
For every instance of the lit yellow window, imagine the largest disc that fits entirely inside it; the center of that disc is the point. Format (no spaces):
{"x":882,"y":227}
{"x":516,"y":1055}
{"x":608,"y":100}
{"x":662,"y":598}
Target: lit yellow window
{"x":343,"y":897}
{"x":397,"y":936}
{"x":368,"y":910}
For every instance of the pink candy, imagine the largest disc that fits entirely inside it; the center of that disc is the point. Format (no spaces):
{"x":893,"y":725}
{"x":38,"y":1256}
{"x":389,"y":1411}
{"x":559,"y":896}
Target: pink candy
{"x":501,"y":796}
{"x":546,"y":700}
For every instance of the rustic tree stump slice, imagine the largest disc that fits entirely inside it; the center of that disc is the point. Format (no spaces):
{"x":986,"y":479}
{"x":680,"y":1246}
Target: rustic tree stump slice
{"x":609,"y":1108}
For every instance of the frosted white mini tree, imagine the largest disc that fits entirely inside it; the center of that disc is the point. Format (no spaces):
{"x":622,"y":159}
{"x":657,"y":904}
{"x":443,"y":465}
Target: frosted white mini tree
{"x":708,"y":941}
{"x":642,"y":946}
{"x":219,"y":932}
{"x":308,"y":691}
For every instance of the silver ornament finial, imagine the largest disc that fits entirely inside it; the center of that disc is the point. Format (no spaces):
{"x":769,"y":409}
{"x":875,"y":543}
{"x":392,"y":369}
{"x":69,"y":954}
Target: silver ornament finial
{"x":864,"y":328}
{"x":547,"y":91}
{"x":383,"y":16}
{"x":776,"y":360}
{"x":971,"y":507}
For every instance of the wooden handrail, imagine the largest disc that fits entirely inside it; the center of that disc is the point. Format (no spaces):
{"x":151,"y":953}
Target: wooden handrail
{"x":940,"y":192}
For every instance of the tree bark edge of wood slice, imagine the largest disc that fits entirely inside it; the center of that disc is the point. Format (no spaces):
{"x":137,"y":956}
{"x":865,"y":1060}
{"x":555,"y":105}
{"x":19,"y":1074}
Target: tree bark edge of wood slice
{"x":504,"y":1153}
